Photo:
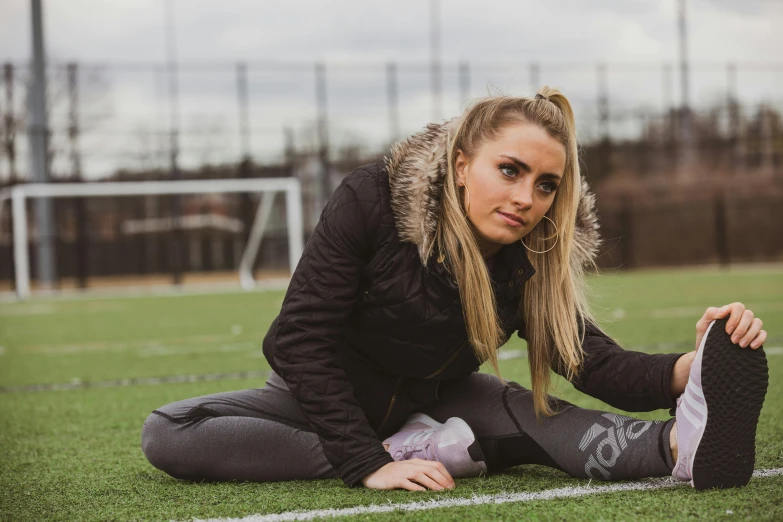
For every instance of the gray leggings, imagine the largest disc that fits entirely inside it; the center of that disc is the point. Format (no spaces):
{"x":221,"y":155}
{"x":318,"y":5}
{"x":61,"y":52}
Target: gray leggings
{"x":262,"y":435}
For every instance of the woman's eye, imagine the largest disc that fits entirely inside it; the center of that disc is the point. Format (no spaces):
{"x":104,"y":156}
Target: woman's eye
{"x":508,"y":168}
{"x":548,"y":187}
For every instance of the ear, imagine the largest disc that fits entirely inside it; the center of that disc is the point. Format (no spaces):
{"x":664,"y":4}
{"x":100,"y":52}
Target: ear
{"x":460,"y":167}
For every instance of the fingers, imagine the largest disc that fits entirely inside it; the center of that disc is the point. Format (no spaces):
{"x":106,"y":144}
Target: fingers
{"x":442,"y":476}
{"x":437,"y":472}
{"x":737,"y":309}
{"x":753,"y":330}
{"x":422,"y":478}
{"x":410,"y":486}
{"x":759,"y":340}
{"x":742,"y":328}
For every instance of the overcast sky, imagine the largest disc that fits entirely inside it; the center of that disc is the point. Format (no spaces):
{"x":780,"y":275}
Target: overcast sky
{"x":498,"y":38}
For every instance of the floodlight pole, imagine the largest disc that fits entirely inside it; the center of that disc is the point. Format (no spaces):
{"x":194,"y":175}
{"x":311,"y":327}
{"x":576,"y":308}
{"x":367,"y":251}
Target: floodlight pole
{"x":686,"y":123}
{"x":175,"y":246}
{"x":39,"y":164}
{"x":435,"y":64}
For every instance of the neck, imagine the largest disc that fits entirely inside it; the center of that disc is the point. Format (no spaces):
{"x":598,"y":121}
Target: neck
{"x":488,"y":250}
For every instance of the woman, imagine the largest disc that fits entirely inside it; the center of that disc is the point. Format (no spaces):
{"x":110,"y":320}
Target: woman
{"x":420,"y":267}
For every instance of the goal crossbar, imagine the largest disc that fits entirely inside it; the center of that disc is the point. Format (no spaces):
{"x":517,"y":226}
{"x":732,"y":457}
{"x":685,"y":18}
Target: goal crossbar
{"x":268,"y":187}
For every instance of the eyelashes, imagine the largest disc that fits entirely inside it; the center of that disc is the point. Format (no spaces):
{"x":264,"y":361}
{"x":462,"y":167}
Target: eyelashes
{"x":548,"y":186}
{"x":512,"y":168}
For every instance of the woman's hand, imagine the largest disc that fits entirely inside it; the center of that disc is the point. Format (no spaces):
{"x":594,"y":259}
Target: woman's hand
{"x":405,"y":474}
{"x":743,"y":326}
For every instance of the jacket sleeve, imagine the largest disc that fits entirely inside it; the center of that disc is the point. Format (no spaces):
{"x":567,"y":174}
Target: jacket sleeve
{"x":625,"y":379}
{"x":319,"y":299}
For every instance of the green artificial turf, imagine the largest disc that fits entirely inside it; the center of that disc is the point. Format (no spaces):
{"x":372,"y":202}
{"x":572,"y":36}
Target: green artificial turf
{"x":75,"y":454}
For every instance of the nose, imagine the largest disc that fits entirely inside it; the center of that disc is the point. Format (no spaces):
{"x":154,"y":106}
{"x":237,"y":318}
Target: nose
{"x":522,"y":196}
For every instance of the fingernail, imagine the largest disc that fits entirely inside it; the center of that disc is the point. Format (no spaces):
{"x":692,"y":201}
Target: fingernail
{"x":731,"y":328}
{"x":743,"y":344}
{"x":735,"y":339}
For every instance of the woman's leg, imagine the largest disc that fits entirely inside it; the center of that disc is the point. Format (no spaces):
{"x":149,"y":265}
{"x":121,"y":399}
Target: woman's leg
{"x":582,"y":442}
{"x":256,"y":435}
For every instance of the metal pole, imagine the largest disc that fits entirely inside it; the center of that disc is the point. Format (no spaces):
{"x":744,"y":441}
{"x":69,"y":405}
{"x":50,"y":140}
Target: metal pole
{"x":323,"y":133}
{"x":435,"y":66}
{"x":73,"y":121}
{"x":670,"y":113}
{"x":244,"y":110}
{"x":535,"y":77}
{"x":603,"y":102}
{"x":288,"y":149}
{"x":732,"y":106}
{"x":76,"y":173}
{"x":293,"y":205}
{"x":686,"y":124}
{"x":39,"y":149}
{"x":10,"y":123}
{"x":464,"y":81}
{"x":684,"y":84}
{"x":603,"y":119}
{"x":21,"y":260}
{"x":175,"y":246}
{"x":245,"y":204}
{"x":10,"y":148}
{"x":391,"y":90}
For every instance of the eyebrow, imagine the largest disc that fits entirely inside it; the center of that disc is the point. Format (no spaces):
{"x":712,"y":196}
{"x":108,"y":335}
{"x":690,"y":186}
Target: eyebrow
{"x":524,"y":166}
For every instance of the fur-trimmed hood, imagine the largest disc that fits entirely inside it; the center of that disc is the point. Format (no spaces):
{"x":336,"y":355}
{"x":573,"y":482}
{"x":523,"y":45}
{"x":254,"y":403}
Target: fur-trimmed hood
{"x":417,"y":168}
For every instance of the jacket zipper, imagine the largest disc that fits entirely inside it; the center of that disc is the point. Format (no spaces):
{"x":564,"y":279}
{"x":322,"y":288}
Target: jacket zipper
{"x":391,"y":405}
{"x":439,"y":370}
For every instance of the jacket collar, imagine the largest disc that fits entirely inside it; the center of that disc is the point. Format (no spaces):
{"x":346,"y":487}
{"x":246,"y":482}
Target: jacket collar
{"x":417,"y":166}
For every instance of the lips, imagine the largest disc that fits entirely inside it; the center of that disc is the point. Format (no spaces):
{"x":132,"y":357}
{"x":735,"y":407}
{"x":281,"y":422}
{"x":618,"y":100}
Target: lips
{"x":515,"y":218}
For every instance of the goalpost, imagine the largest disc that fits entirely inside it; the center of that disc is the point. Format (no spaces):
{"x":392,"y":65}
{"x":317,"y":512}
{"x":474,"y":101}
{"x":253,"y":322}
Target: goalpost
{"x":268,"y":187}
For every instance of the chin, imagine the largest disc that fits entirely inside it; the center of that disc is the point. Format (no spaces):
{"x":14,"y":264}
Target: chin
{"x":502,"y":238}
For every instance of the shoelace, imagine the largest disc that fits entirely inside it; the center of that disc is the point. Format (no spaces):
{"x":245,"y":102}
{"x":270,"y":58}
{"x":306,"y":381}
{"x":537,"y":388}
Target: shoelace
{"x":419,"y":446}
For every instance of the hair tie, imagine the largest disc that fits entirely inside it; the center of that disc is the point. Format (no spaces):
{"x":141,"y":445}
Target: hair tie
{"x":540,"y":96}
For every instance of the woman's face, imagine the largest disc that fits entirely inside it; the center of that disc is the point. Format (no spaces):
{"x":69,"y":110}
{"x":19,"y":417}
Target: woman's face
{"x":516,"y":174}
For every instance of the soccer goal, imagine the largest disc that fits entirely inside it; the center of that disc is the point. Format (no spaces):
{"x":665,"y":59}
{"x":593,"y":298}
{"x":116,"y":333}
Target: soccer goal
{"x":222,"y":221}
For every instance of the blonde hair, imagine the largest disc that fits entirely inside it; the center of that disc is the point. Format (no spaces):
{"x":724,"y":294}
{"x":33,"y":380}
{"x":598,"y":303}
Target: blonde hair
{"x":555,"y":301}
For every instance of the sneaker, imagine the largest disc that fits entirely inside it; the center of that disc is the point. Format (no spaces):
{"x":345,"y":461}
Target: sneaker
{"x":452,"y":443}
{"x":718,"y":412}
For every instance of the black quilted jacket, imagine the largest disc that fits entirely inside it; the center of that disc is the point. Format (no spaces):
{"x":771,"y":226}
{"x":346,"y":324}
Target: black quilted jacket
{"x":371,"y":323}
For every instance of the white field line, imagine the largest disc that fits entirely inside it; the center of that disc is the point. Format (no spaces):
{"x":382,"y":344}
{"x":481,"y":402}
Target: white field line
{"x":135,"y":292}
{"x":76,"y":384}
{"x":100,"y":346}
{"x":476,"y":500}
{"x":506,"y":355}
{"x":48,"y":308}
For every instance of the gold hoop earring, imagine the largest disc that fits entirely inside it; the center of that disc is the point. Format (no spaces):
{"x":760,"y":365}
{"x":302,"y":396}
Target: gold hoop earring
{"x":467,"y":209}
{"x":556,"y":236}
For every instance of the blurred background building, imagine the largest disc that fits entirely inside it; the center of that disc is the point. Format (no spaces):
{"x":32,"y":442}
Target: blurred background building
{"x":678,"y":107}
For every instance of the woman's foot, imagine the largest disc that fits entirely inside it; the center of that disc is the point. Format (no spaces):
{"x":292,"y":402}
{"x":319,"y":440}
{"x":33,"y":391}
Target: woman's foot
{"x":718,"y":412}
{"x":452,"y":443}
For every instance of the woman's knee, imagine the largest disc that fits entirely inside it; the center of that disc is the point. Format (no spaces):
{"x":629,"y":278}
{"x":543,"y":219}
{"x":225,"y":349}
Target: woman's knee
{"x":157,"y":443}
